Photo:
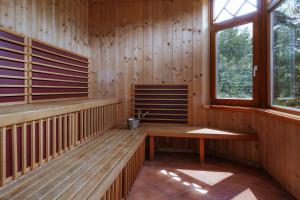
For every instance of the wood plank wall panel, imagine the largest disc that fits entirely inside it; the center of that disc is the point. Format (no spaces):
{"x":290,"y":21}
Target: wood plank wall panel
{"x":13,"y":68}
{"x":277,"y":150}
{"x":56,"y":73}
{"x":149,"y":42}
{"x":61,"y":23}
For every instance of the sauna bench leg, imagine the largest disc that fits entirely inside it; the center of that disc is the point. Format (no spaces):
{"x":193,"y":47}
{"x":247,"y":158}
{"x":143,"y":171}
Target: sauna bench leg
{"x":201,"y":150}
{"x":151,"y":147}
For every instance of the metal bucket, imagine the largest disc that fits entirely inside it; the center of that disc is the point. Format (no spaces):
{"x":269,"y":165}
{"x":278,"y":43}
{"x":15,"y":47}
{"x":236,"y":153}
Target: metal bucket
{"x":133,"y":123}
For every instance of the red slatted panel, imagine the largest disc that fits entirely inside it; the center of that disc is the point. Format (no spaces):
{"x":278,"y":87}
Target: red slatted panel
{"x":57,"y":73}
{"x":13,"y":68}
{"x":167,"y":104}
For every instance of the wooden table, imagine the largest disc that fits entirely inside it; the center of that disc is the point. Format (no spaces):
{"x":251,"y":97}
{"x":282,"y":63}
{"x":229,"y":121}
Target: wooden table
{"x":201,"y":133}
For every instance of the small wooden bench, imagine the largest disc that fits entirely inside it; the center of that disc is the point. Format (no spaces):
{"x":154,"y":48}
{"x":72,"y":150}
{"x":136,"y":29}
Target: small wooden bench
{"x":103,"y":168}
{"x":193,"y":132}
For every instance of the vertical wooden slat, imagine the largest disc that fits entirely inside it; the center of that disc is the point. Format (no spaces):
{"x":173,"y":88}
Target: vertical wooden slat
{"x":76,"y":130}
{"x":92,"y":121}
{"x":109,"y":114}
{"x":114,"y":115}
{"x":60,"y":121}
{"x":121,"y":185}
{"x":54,"y":133}
{"x":117,"y":191}
{"x":41,"y":141}
{"x":70,"y":130}
{"x":81,"y":126}
{"x":33,"y":145}
{"x":85,"y":125}
{"x":3,"y":155}
{"x":24,"y":147}
{"x":65,"y":132}
{"x":47,"y":139}
{"x":98,"y":120}
{"x":101,"y":119}
{"x":89,"y":123}
{"x":14,"y":152}
{"x":105,"y":117}
{"x":95,"y":121}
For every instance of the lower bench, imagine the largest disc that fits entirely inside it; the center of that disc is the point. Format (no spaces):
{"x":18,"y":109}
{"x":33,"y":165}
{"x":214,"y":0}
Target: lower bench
{"x":193,"y":132}
{"x":104,"y":168}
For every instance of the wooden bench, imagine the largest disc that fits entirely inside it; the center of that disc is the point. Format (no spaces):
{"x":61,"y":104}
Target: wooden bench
{"x":193,"y":132}
{"x":103,"y":168}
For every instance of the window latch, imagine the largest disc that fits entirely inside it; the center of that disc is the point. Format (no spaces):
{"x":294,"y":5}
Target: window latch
{"x":254,"y":70}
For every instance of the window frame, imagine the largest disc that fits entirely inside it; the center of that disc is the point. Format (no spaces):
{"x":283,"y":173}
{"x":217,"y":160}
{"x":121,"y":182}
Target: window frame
{"x":270,"y":7}
{"x":214,"y":29}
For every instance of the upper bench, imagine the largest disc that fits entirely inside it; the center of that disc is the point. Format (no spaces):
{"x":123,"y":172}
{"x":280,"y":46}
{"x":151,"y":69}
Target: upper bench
{"x":33,"y":134}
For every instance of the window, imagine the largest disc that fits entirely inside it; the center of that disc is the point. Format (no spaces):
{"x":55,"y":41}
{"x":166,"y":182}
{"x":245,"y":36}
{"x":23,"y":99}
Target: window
{"x":234,"y":64}
{"x":285,"y":54}
{"x":228,"y":9}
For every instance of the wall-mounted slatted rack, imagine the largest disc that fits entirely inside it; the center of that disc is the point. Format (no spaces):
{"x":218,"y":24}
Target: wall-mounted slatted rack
{"x":56,"y":73}
{"x":13,"y":68}
{"x":167,"y":104}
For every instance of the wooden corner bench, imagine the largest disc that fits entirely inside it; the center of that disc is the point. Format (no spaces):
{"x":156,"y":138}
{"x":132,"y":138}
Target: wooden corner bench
{"x":103,"y":168}
{"x":201,"y":133}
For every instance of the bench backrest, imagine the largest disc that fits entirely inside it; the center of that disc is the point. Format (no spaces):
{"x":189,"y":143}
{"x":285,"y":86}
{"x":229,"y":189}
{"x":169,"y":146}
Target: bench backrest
{"x":35,"y":71}
{"x":167,"y":104}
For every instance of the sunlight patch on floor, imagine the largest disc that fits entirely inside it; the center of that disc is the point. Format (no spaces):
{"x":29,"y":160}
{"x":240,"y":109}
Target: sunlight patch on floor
{"x":207,"y":177}
{"x":176,"y":177}
{"x":245,"y":195}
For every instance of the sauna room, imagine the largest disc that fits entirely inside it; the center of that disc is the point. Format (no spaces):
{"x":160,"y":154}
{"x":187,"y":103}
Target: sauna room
{"x":150,"y":99}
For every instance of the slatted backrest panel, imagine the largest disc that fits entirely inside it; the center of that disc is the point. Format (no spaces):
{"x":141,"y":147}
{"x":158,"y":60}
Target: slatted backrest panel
{"x":13,"y":68}
{"x":167,"y":104}
{"x":57,"y":73}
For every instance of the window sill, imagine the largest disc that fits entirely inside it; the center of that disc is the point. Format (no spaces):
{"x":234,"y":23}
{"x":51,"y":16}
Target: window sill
{"x":284,"y":116}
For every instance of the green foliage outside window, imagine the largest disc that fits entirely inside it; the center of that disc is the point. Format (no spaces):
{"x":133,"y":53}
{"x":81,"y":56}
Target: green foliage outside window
{"x":234,"y":62}
{"x":285,"y":59}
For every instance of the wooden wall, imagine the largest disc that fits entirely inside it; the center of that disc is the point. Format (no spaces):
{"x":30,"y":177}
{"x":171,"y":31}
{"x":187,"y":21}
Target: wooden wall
{"x":59,"y":22}
{"x":155,"y":41}
{"x":149,"y":41}
{"x":277,"y":150}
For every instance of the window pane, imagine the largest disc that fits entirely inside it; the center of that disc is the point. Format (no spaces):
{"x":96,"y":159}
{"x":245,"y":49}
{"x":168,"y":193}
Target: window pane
{"x":228,"y":9}
{"x":285,"y":55}
{"x":234,"y":62}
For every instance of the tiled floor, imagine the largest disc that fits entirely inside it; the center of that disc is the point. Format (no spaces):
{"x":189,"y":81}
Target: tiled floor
{"x":179,"y":177}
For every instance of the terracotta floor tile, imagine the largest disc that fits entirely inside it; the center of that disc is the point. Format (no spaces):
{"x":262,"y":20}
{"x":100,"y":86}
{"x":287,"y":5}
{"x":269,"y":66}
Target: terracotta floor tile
{"x":147,"y":194}
{"x":172,"y":187}
{"x":179,"y":176}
